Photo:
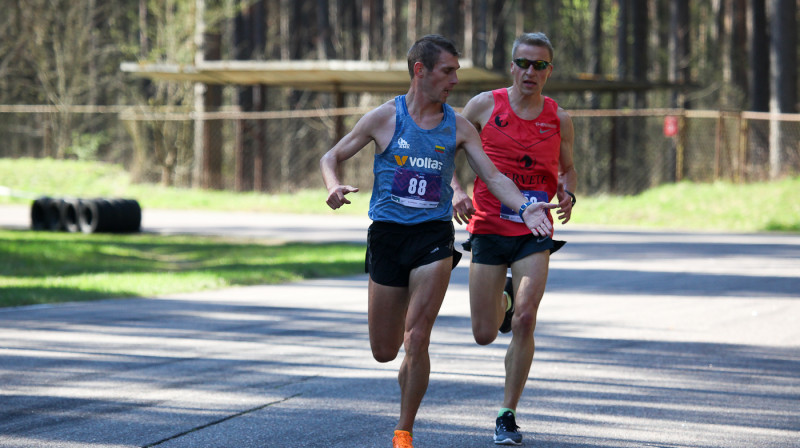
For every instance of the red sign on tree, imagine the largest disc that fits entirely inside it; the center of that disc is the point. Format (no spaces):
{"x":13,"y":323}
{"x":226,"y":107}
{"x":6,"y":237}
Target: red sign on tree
{"x":670,"y":126}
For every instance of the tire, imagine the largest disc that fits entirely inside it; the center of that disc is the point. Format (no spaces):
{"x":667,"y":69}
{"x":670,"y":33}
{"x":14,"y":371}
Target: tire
{"x":39,"y":213}
{"x":70,"y":211}
{"x":114,"y":215}
{"x":134,"y":212}
{"x":90,"y":216}
{"x":52,"y":213}
{"x":128,"y":215}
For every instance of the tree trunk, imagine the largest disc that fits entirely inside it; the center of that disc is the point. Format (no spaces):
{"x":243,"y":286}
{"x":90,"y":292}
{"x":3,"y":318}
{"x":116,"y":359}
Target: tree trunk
{"x":553,"y":20}
{"x":412,"y":23}
{"x":596,"y":43}
{"x":783,"y":53}
{"x":499,"y":51}
{"x":468,"y":30}
{"x":324,"y":36}
{"x":366,"y":8}
{"x":619,"y":126}
{"x":639,"y":16}
{"x":389,"y":22}
{"x":659,"y":38}
{"x":199,"y":96}
{"x":759,"y":57}
{"x":143,"y":42}
{"x":738,"y":49}
{"x":212,"y":129}
{"x":345,"y":25}
{"x":724,"y":32}
{"x":481,"y":13}
{"x":638,"y":125}
{"x":679,"y":73}
{"x":783,"y":79}
{"x":623,"y":21}
{"x":285,"y":33}
{"x":590,"y":141}
{"x":679,"y":49}
{"x":377,"y":31}
{"x":250,"y":43}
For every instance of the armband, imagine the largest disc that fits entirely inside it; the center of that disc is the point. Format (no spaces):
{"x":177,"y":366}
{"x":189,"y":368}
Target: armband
{"x":523,"y":207}
{"x":572,"y":196}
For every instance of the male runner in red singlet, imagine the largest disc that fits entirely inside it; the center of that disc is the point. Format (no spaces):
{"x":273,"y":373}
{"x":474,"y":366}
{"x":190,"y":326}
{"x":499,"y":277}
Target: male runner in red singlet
{"x":529,"y":138}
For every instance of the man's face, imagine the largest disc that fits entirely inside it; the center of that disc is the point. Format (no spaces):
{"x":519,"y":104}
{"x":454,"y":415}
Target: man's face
{"x":438,"y":82}
{"x":529,"y":80}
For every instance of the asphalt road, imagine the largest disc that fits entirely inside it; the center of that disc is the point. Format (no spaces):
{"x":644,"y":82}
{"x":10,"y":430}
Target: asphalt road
{"x":645,"y":339}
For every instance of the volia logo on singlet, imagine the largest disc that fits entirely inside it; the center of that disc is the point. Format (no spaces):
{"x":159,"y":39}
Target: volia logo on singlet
{"x":419,"y":162}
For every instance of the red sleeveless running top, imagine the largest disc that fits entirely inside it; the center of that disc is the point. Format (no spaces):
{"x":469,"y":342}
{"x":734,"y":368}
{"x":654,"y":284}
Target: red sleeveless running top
{"x":527,"y":152}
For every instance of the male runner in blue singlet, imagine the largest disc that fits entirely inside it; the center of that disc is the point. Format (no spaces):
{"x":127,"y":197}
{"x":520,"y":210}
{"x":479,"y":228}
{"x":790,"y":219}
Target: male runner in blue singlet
{"x":410,"y":242}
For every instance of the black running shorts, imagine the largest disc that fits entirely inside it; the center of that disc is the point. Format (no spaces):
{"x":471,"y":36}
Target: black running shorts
{"x":498,"y":249}
{"x":393,"y":250}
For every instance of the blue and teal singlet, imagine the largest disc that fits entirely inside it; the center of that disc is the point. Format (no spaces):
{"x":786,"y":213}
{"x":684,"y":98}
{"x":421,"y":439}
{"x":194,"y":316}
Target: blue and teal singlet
{"x":412,"y":175}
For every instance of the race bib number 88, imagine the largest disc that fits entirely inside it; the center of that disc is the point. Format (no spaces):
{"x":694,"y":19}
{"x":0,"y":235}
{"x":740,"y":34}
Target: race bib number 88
{"x":416,"y":189}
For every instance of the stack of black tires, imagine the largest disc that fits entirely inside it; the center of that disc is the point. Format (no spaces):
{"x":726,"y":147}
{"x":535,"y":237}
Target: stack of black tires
{"x":86,"y":215}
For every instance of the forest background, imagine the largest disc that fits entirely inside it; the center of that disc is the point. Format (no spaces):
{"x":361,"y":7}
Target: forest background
{"x":720,"y":74}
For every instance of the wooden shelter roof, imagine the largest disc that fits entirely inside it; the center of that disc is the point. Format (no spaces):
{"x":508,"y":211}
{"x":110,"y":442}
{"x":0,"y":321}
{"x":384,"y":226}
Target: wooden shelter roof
{"x":350,"y":76}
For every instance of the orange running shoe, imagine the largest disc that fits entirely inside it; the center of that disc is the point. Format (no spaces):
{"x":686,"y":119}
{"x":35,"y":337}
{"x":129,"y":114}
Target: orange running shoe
{"x":402,"y":439}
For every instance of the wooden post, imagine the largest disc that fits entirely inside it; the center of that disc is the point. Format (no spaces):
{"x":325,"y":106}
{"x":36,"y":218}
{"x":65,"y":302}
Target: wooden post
{"x":338,"y":96}
{"x":260,"y":182}
{"x":718,"y":146}
{"x":612,"y":165}
{"x":199,"y":93}
{"x":743,"y":125}
{"x":679,"y":151}
{"x":238,"y":152}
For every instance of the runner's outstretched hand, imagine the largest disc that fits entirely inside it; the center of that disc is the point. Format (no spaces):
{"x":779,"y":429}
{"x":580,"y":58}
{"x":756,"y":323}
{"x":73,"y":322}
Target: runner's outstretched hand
{"x":462,"y":207}
{"x":536,"y":220}
{"x":564,"y":204}
{"x":336,"y":195}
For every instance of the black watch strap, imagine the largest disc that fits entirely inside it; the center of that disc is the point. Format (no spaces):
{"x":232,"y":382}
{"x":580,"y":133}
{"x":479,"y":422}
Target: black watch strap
{"x":572,"y":196}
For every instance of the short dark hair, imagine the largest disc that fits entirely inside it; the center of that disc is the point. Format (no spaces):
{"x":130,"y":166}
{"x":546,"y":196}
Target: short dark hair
{"x":533,"y":39}
{"x":426,"y":50}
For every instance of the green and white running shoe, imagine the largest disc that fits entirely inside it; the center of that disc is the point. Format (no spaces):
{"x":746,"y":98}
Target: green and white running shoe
{"x":506,"y":431}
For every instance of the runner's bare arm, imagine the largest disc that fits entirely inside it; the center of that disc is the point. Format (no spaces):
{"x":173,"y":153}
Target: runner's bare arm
{"x":499,"y":185}
{"x":371,"y":127}
{"x":567,"y":176}
{"x":477,"y":111}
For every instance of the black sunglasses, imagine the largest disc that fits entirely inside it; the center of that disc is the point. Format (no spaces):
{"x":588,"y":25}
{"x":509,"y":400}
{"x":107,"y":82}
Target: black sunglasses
{"x":537,"y":65}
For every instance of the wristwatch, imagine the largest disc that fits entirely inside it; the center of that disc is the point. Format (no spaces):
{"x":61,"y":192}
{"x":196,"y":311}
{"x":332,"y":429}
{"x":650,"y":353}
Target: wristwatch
{"x":523,"y":207}
{"x":572,"y":196}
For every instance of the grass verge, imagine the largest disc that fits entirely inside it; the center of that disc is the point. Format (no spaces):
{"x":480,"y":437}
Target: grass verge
{"x":43,"y":267}
{"x":719,"y":206}
{"x":64,"y":178}
{"x":40,"y":267}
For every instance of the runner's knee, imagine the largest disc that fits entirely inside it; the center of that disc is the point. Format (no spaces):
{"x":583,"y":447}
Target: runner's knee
{"x":384,"y":353}
{"x":484,"y":334}
{"x":416,"y":341}
{"x":385,"y":350}
{"x":524,"y":321}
